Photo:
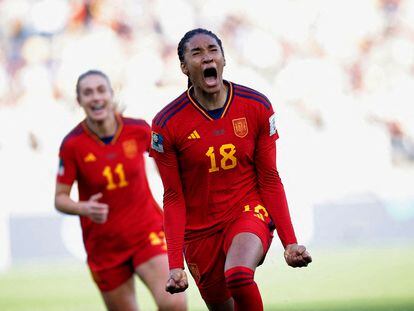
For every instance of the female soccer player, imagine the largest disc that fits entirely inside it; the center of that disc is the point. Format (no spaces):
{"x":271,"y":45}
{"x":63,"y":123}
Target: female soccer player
{"x":215,"y":149}
{"x":121,"y":222}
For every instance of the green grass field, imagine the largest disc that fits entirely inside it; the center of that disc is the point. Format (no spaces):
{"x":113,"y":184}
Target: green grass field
{"x":357,"y":279}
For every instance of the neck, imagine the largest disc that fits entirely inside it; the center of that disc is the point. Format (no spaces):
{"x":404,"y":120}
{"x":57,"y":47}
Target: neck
{"x":103,"y":128}
{"x":211,"y":101}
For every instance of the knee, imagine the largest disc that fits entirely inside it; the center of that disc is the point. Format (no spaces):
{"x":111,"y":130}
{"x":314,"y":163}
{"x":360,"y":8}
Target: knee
{"x":239,"y":276}
{"x":175,"y":302}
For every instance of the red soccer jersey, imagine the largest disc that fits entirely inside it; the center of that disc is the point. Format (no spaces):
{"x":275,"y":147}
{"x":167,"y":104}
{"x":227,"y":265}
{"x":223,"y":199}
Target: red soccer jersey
{"x":117,"y":170}
{"x":210,"y":167}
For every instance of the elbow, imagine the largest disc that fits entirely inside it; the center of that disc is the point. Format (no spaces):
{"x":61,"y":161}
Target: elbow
{"x":58,"y":204}
{"x":172,"y":196}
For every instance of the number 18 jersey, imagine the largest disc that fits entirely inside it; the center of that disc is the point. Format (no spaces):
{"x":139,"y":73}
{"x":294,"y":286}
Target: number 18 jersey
{"x":209,"y":166}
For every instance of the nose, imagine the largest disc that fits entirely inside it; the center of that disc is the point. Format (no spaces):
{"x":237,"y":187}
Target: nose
{"x":96,"y":96}
{"x":207,"y":57}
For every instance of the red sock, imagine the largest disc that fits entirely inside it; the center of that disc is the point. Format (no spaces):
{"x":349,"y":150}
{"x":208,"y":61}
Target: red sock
{"x":243,"y":288}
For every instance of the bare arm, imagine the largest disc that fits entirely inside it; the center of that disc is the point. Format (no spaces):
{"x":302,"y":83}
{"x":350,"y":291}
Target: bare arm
{"x":96,"y":211}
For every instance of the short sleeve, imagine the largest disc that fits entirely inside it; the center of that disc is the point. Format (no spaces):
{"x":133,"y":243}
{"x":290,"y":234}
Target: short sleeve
{"x":67,"y":172}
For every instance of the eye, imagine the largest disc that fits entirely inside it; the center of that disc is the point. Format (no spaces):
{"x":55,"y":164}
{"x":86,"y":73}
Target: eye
{"x":87,"y":92}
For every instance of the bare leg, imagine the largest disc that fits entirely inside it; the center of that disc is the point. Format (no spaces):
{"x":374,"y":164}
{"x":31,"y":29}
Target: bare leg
{"x":154,"y":274}
{"x":245,"y":250}
{"x":121,"y":298}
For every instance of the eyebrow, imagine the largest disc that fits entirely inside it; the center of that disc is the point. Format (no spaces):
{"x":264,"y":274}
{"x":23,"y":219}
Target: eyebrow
{"x":209,"y":47}
{"x":94,"y":87}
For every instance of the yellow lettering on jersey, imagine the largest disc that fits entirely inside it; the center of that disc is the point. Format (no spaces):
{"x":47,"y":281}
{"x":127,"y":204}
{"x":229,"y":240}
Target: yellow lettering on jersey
{"x":119,"y":170}
{"x":228,"y":160}
{"x":212,"y":156}
{"x":109,"y":177}
{"x":259,"y":211}
{"x":228,"y":156}
{"x":158,"y":239}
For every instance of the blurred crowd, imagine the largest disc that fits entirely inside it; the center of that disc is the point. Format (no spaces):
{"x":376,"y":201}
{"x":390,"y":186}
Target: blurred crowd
{"x":339,"y":73}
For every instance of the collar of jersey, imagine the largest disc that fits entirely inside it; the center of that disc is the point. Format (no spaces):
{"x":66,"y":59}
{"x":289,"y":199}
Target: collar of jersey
{"x":95,"y":137}
{"x":203,"y":110}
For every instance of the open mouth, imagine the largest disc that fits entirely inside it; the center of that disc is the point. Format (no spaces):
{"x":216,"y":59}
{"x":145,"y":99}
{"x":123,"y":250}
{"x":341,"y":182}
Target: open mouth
{"x":210,"y":76}
{"x":98,"y":108}
{"x":210,"y":72}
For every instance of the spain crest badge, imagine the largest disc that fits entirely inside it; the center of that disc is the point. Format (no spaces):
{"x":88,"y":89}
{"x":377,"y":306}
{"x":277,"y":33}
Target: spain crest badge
{"x":240,"y":127}
{"x":130,"y":148}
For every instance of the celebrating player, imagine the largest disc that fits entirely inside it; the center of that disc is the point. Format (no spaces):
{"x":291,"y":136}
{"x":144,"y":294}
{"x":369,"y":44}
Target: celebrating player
{"x":215,"y":149}
{"x":121,"y":222}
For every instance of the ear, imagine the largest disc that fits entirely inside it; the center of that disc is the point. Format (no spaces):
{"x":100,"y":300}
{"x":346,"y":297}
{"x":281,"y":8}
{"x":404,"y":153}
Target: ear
{"x":184,"y":69}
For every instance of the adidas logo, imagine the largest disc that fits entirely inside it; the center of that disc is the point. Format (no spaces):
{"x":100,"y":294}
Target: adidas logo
{"x":90,"y":157}
{"x":194,"y":135}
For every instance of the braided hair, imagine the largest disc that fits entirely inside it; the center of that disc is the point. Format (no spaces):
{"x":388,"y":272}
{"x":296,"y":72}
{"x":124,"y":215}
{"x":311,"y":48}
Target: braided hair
{"x":188,"y":36}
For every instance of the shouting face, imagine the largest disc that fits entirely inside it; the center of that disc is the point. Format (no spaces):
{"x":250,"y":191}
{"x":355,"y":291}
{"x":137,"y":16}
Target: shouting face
{"x":204,"y":62}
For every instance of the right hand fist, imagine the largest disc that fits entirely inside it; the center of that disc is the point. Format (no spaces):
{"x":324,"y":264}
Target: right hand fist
{"x":177,"y":282}
{"x":95,"y":211}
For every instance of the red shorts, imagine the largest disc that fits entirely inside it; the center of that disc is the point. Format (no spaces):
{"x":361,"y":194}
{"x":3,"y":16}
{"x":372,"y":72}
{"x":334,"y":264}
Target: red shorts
{"x":110,"y":278}
{"x":206,"y":257}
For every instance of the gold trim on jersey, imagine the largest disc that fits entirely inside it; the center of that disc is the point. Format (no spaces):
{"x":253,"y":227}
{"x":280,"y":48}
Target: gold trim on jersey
{"x":96,"y":137}
{"x":203,"y":110}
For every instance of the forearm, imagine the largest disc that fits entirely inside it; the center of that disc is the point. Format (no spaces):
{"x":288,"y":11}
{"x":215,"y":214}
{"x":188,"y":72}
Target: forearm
{"x":174,"y":225}
{"x":64,"y":204}
{"x":174,"y":214}
{"x":274,"y":198}
{"x":273,"y":194}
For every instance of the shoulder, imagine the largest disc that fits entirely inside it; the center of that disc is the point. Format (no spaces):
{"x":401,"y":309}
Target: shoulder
{"x":251,"y":96}
{"x":171,"y":110}
{"x":134,"y":122}
{"x":71,"y":138}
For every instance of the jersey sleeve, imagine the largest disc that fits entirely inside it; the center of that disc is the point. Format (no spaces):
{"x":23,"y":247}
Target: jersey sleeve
{"x":147,"y":136}
{"x":271,"y":187}
{"x":67,"y":172}
{"x":163,"y":152}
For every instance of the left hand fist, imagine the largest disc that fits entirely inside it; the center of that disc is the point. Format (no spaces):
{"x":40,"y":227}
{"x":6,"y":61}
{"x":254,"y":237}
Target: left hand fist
{"x":297,"y":256}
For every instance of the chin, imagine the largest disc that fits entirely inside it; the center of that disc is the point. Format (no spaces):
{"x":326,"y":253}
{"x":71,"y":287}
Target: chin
{"x":211,"y":89}
{"x":99,"y":118}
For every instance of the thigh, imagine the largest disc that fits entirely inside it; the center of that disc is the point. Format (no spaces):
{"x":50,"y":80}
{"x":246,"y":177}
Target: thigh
{"x":151,"y":244}
{"x":108,"y":279}
{"x":248,"y":238}
{"x":205,"y":259}
{"x":154,"y":273}
{"x":122,"y":298}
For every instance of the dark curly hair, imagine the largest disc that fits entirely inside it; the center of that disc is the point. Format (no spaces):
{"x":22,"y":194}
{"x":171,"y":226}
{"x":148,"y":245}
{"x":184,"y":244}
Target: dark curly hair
{"x":192,"y":33}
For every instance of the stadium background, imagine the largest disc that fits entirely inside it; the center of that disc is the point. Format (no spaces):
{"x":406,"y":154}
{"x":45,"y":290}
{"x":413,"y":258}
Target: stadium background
{"x":340,"y":74}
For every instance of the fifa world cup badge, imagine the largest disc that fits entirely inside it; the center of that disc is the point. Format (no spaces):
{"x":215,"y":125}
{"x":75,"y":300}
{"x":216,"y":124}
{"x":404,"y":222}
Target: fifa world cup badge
{"x":272,"y":125}
{"x":157,"y":142}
